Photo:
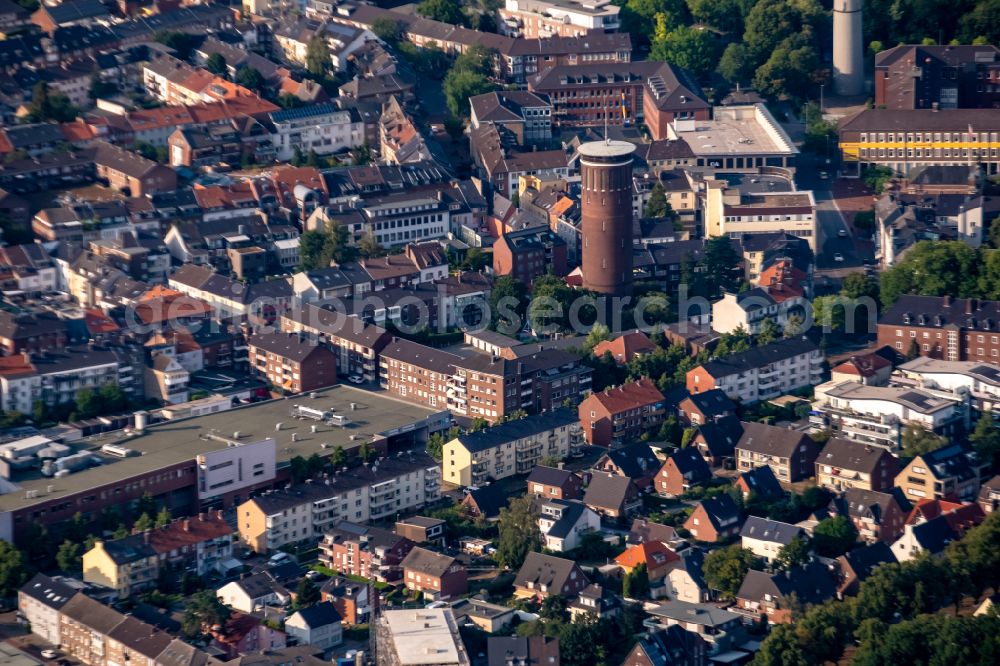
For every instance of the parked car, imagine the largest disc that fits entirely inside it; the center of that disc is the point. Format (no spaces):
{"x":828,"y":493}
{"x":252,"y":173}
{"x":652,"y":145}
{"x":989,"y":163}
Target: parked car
{"x":50,"y":654}
{"x":279,"y":558}
{"x":356,"y":379}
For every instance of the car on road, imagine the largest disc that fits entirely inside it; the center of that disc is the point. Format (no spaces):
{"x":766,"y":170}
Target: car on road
{"x":842,"y":233}
{"x":279,"y":558}
{"x":356,"y":379}
{"x":838,"y":257}
{"x":823,"y":175}
{"x":50,"y":654}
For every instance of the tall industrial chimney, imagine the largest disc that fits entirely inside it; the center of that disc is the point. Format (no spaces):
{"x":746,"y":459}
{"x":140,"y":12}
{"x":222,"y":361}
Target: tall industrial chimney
{"x":606,"y":216}
{"x":848,"y":50}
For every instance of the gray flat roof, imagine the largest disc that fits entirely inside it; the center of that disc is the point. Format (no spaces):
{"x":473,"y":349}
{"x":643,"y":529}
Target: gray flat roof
{"x":607,"y":148}
{"x":173,"y":442}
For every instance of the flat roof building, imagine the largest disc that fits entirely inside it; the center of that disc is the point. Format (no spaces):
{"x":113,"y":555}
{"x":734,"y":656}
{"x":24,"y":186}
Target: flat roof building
{"x":162,"y":459}
{"x":738,"y":138}
{"x":421,"y":637}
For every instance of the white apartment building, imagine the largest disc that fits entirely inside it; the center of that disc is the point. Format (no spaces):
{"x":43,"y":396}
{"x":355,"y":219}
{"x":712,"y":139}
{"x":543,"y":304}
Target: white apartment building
{"x":761,"y":373}
{"x":878,"y":415}
{"x":515,"y":447}
{"x":305,"y":512}
{"x":402,"y":218}
{"x":538,"y":19}
{"x":728,"y":212}
{"x":322,"y":128}
{"x":20,"y":384}
{"x":750,"y":309}
{"x":39,"y":601}
{"x":980,"y":381}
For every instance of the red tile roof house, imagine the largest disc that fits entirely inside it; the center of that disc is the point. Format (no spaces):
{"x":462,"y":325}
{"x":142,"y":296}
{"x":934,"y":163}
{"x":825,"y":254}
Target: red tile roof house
{"x":615,"y":416}
{"x":683,"y":470}
{"x":714,"y":519}
{"x":961,"y":517}
{"x":437,"y":576}
{"x":625,"y":347}
{"x":245,"y":634}
{"x":659,"y":559}
{"x":869,"y":369}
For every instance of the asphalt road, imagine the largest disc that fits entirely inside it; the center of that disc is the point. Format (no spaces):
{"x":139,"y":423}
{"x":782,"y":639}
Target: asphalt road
{"x":829,"y":220}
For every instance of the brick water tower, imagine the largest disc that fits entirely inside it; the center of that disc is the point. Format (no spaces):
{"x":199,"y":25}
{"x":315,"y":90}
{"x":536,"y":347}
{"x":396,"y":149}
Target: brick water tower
{"x":606,"y":216}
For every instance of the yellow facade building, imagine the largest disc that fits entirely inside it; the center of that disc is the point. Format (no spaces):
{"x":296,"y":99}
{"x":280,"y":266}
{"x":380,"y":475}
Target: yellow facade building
{"x":906,"y":139}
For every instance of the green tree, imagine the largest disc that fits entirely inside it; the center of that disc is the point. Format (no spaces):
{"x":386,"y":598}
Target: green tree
{"x":635,"y":585}
{"x":833,"y":537}
{"x":694,"y":49}
{"x":986,"y":440}
{"x":306,"y":594}
{"x":794,"y":327}
{"x":794,"y":553}
{"x":721,"y":264}
{"x":877,"y":177}
{"x":982,"y":23}
{"x":216,"y":63}
{"x":518,"y":532}
{"x":311,"y":250}
{"x":388,"y":30}
{"x":366,"y":451}
{"x":724,"y":15}
{"x":68,"y":558}
{"x":461,"y":84}
{"x":735,"y":342}
{"x":725,"y":568}
{"x":13,"y":570}
{"x":143,"y":523}
{"x":436,"y":442}
{"x":657,"y":204}
{"x":828,"y":313}
{"x":553,"y":608}
{"x":918,"y":440}
{"x":768,"y":333}
{"x":782,"y":648}
{"x":639,"y":17}
{"x":203,"y":611}
{"x":290,"y":101}
{"x":250,"y":78}
{"x":369,"y":248}
{"x":318,"y":58}
{"x":859,"y":285}
{"x":446,"y":11}
{"x":793,"y":70}
{"x":163,"y":517}
{"x":508,"y":304}
{"x":733,"y":65}
{"x":599,"y":333}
